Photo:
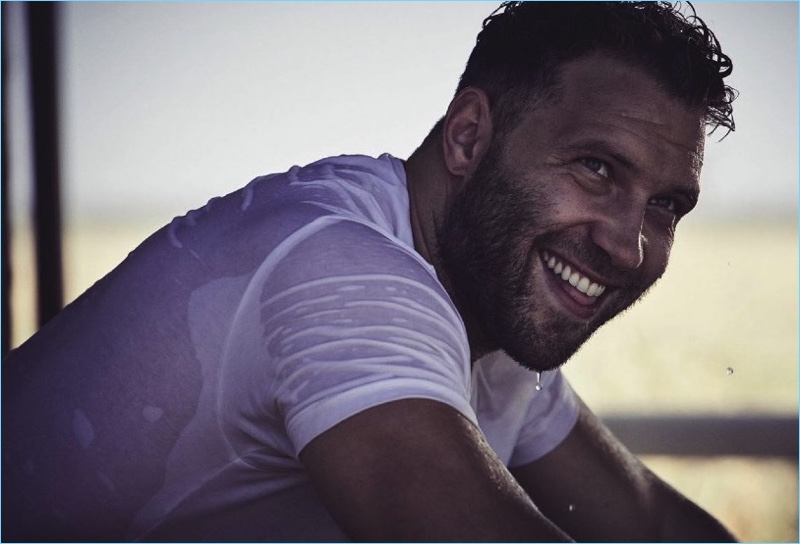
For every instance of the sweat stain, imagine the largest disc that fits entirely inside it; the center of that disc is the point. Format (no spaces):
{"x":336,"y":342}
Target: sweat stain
{"x":82,"y":429}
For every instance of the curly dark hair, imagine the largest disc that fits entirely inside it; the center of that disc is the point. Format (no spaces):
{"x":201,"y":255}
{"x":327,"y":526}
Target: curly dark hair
{"x":518,"y":53}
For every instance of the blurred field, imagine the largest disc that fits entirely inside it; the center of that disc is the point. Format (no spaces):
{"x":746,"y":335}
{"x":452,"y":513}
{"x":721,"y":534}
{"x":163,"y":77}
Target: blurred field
{"x":729,"y":300}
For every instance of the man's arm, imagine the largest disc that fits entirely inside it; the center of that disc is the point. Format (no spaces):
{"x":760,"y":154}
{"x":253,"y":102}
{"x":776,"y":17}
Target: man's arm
{"x":415,"y":469}
{"x":594,"y":489}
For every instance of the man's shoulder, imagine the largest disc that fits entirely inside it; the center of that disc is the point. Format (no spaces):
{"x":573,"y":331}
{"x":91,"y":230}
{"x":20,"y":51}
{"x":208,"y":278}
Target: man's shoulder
{"x":365,"y":189}
{"x":350,"y":172}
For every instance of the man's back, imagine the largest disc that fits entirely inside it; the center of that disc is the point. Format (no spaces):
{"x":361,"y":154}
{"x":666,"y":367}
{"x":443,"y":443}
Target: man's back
{"x":121,"y":390}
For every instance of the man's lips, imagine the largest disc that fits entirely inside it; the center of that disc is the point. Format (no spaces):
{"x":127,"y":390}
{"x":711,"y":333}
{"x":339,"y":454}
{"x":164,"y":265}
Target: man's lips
{"x":575,"y":290}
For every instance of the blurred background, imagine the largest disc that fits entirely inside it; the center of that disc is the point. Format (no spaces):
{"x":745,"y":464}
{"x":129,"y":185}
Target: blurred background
{"x":162,"y":106}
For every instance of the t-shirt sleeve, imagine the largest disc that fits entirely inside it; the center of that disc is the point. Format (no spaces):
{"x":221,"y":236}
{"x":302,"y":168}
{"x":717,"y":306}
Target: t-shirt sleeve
{"x":349,"y":318}
{"x":550,"y":417}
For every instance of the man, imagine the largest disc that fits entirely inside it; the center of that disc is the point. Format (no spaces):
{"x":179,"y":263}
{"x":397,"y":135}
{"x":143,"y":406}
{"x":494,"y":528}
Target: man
{"x":369,"y":348}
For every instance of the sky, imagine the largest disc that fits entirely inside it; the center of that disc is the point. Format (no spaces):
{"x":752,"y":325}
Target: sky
{"x":165,"y":105}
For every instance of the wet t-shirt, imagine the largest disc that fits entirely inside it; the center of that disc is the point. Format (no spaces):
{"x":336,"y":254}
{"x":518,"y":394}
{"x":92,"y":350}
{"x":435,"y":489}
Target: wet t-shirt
{"x":172,"y":399}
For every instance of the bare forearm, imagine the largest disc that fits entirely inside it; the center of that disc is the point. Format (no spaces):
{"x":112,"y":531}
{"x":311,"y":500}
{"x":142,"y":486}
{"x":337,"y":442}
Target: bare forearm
{"x":417,"y":470}
{"x":596,"y":490}
{"x":452,"y":525}
{"x":683,"y":521}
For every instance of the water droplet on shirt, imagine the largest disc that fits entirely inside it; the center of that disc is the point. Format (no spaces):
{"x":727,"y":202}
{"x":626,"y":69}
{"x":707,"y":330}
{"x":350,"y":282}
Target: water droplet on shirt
{"x":82,"y":429}
{"x":538,"y":385}
{"x":106,"y":481}
{"x":152,"y":413}
{"x":172,"y":233}
{"x":59,"y":514}
{"x":729,"y":371}
{"x":247,"y":196}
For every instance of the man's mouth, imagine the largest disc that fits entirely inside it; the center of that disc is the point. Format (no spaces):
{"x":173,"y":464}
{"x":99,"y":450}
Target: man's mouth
{"x":577,"y":293}
{"x":573,"y":277}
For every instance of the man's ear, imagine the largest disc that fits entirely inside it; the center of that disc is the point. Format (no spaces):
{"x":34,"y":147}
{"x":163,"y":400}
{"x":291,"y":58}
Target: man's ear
{"x":467,"y":131}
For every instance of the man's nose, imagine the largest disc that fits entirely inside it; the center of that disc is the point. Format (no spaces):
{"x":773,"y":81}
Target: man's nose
{"x":620,"y":235}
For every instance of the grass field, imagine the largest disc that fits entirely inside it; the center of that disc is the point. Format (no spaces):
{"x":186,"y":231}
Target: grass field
{"x":729,"y":301}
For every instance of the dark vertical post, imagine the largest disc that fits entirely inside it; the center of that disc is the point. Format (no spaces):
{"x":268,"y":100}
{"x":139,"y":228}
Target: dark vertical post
{"x":42,"y":50}
{"x":4,"y":206}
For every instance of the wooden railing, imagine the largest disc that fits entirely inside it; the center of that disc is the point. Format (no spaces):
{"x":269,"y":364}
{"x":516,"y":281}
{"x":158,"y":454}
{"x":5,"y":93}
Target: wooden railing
{"x":687,"y":435}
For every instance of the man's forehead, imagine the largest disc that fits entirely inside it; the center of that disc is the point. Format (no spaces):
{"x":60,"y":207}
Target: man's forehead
{"x":604,"y":80}
{"x":602,"y":89}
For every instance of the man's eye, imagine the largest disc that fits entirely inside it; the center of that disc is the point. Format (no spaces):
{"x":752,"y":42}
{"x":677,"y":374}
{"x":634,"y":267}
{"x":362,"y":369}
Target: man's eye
{"x":667,"y":203}
{"x":597,"y":166}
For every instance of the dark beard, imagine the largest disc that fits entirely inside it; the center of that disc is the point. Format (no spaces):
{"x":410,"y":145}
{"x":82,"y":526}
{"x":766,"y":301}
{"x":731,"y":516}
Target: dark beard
{"x":488,"y":246}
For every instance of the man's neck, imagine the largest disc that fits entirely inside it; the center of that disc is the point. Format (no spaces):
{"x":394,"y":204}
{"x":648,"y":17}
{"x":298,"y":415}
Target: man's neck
{"x":430,"y":190}
{"x":428,"y":187}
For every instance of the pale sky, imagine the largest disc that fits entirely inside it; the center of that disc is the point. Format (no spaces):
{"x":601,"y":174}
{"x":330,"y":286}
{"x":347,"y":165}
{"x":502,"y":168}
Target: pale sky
{"x":169,"y":104}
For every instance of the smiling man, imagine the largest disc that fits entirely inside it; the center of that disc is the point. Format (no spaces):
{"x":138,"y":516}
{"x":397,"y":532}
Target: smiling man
{"x":368,"y":348}
{"x":568,"y":218}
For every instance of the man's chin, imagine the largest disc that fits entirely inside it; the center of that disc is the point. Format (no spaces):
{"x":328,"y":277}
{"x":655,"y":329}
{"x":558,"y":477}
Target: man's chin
{"x":547,"y":350}
{"x":548,"y":347}
{"x":540,"y":364}
{"x":542,"y":359}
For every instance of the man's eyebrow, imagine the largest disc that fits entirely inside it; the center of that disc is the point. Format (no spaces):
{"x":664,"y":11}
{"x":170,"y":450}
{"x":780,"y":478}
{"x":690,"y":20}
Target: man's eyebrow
{"x":600,"y":146}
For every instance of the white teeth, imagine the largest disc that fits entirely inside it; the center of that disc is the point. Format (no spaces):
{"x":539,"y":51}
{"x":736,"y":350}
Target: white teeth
{"x":581,"y":283}
{"x":574,"y":279}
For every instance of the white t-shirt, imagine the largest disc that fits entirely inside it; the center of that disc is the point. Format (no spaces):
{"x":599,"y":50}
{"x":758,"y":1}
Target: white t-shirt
{"x":172,"y":399}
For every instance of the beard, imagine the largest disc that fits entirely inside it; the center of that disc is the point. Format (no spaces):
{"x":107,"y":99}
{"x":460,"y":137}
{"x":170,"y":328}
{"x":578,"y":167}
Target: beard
{"x":488,"y":246}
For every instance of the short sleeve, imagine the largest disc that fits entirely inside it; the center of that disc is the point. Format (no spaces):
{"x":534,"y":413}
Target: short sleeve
{"x":348,"y":318}
{"x":548,"y":421}
{"x":522,"y":422}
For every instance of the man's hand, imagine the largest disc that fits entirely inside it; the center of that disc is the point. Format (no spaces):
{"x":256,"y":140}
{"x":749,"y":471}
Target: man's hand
{"x":416,"y":470}
{"x":596,"y":490}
